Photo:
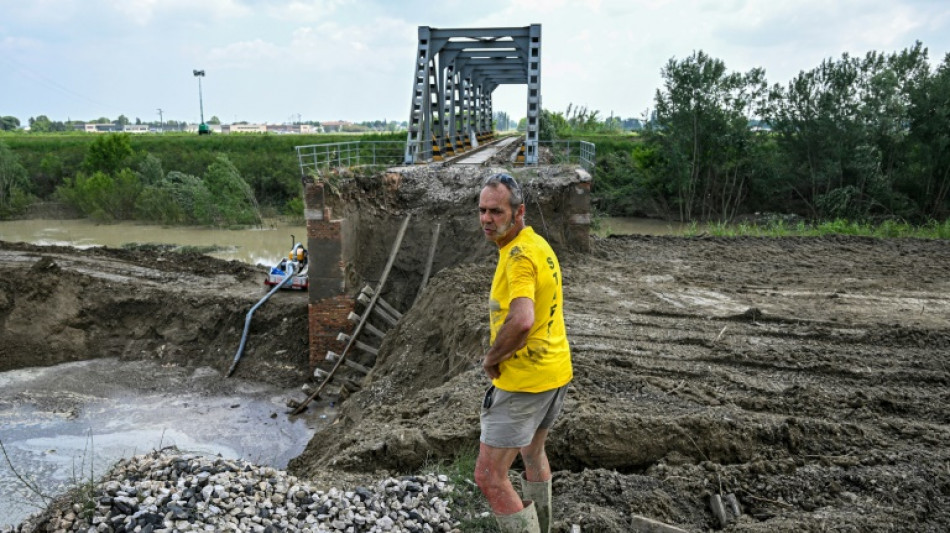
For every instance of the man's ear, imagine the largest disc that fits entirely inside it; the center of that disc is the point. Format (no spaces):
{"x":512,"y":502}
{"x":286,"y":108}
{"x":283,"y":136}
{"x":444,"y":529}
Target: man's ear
{"x":519,"y":213}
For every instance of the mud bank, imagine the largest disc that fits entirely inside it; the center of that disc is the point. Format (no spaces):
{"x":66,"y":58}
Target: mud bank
{"x":806,"y":376}
{"x":60,"y":304}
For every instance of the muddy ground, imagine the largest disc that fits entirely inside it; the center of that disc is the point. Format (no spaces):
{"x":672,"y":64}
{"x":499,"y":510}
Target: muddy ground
{"x":806,"y":376}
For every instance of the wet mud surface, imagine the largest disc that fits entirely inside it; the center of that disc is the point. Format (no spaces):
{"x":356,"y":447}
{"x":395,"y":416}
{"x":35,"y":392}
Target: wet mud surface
{"x":106,"y":353}
{"x":71,"y":422}
{"x":808,"y":377}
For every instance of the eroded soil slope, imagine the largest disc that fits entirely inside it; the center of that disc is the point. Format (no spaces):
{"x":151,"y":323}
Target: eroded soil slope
{"x":808,"y":377}
{"x":61,"y":304}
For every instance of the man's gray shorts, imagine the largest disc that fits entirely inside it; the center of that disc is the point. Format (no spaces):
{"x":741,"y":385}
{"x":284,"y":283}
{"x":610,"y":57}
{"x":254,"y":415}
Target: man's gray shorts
{"x":510,"y":419}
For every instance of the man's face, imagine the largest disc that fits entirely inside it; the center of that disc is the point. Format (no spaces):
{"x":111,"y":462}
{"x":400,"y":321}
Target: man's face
{"x":496,"y":216}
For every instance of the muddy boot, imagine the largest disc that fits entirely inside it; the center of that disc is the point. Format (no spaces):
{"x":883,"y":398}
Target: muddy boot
{"x":540,"y":493}
{"x":524,"y":521}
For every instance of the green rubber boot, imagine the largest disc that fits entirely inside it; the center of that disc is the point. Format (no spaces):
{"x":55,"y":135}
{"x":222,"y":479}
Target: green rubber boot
{"x":524,"y":521}
{"x":540,"y":493}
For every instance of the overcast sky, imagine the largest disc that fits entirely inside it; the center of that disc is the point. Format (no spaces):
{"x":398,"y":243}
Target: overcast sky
{"x":274,"y":60}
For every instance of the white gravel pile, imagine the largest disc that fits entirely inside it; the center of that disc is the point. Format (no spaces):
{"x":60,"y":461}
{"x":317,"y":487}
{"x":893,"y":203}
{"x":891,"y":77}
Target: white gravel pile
{"x":168,"y":492}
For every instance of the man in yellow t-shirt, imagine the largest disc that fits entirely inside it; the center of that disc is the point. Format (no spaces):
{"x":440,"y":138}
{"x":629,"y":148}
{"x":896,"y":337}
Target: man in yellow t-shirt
{"x":529,"y":361}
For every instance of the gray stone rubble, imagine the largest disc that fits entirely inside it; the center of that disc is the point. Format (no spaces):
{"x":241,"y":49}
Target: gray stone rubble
{"x":166,"y":491}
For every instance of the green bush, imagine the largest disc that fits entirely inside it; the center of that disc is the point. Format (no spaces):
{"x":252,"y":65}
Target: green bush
{"x":14,"y":184}
{"x":102,"y":196}
{"x":294,"y":208}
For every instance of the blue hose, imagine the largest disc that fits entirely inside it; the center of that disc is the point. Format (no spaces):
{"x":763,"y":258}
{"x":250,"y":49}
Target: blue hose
{"x":247,"y":320}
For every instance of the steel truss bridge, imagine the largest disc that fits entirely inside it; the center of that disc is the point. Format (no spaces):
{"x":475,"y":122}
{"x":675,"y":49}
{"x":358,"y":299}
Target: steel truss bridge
{"x":456,"y":72}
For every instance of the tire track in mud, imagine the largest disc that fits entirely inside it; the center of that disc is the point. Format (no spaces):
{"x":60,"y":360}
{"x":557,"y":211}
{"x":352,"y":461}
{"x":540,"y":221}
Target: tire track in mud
{"x":815,"y":367}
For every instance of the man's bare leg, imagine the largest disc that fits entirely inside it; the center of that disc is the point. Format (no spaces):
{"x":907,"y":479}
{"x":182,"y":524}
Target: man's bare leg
{"x":491,"y":476}
{"x":536,"y":466}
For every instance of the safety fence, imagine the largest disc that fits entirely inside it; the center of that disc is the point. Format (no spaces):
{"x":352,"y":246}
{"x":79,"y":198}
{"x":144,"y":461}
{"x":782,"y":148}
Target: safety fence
{"x":582,"y":153}
{"x":315,"y":157}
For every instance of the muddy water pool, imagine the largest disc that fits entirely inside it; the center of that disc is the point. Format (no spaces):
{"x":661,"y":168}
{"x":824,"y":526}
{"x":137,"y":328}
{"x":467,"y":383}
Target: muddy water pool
{"x":638,"y":226}
{"x":64,"y":424}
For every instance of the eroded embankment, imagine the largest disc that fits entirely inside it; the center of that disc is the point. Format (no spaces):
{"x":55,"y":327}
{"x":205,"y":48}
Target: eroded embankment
{"x":60,"y":304}
{"x":806,"y":376}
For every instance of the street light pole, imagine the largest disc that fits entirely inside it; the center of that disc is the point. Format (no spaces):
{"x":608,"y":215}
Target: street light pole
{"x":203,"y":128}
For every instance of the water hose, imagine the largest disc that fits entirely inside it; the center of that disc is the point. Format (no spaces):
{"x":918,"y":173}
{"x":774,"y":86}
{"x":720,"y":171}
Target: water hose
{"x":247,"y":320}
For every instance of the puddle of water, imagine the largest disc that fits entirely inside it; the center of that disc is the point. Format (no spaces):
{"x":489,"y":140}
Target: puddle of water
{"x":62,"y":423}
{"x":256,"y":246}
{"x":639,"y":226}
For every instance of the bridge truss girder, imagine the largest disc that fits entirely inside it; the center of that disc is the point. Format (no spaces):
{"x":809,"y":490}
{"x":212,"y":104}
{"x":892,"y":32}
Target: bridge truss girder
{"x":456,"y":72}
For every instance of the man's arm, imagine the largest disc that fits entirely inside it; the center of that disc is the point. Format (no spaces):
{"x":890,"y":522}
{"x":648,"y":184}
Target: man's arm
{"x":512,"y":335}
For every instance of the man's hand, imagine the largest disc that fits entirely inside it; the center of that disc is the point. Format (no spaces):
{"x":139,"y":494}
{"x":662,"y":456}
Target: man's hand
{"x":493,"y":371}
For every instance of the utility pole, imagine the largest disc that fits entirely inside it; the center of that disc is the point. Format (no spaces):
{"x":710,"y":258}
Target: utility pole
{"x":161,"y":121}
{"x":203,"y":128}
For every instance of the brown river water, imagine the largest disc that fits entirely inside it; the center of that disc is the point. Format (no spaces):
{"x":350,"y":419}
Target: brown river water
{"x":257,"y":246}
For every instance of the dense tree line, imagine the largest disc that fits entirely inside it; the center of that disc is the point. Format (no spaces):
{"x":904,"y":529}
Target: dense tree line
{"x":108,"y":188}
{"x":858,"y":138}
{"x":158,"y":178}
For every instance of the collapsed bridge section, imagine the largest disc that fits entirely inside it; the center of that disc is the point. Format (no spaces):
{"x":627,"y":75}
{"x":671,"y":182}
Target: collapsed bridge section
{"x":354,"y":219}
{"x":456,"y":72}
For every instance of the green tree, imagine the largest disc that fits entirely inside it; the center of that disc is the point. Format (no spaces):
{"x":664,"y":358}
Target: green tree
{"x":50,"y":175}
{"x":214,"y":120}
{"x":927,"y":179}
{"x":842,"y":129}
{"x":40,"y":124}
{"x":8,"y":123}
{"x":177,"y":199}
{"x":123,"y":120}
{"x":108,"y":153}
{"x":701,"y":135}
{"x":234,"y":200}
{"x":103,"y":196}
{"x":150,"y":170}
{"x":553,"y":125}
{"x":14,"y":184}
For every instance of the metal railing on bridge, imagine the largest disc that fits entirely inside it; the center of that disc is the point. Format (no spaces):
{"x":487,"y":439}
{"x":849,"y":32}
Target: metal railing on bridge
{"x":568,"y":152}
{"x":349,"y":154}
{"x":391,"y":153}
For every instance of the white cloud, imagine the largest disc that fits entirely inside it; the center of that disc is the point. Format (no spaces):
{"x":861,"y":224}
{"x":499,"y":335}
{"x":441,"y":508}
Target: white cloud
{"x":144,"y":12}
{"x":303,"y":12}
{"x":245,"y":54}
{"x":352,"y":59}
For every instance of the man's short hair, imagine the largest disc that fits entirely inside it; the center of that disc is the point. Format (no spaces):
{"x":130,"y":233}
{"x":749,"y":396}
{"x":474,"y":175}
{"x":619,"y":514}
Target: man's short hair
{"x":516,"y":197}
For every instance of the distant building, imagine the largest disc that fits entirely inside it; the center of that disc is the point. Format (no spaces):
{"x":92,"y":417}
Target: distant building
{"x":243,"y":128}
{"x":334,"y":125}
{"x":101,"y":128}
{"x":290,"y":128}
{"x":279,"y":129}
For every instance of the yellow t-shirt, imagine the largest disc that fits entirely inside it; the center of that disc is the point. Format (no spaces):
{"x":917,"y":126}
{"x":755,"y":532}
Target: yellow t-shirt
{"x":528,"y":268}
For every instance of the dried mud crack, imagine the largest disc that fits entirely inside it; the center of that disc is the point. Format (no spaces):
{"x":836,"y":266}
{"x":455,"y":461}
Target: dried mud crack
{"x":806,"y":376}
